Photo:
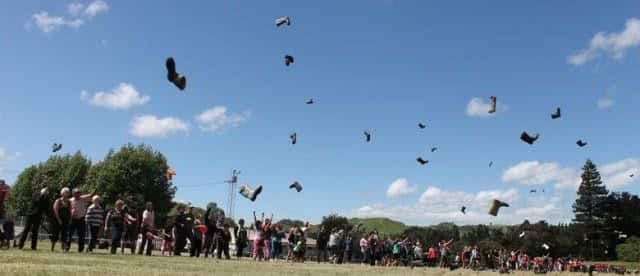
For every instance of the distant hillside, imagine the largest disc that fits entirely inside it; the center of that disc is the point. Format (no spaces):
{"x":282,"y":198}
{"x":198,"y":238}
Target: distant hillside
{"x":383,"y":225}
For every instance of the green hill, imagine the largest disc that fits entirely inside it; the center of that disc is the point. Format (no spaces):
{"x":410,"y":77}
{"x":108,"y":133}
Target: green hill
{"x":383,"y":225}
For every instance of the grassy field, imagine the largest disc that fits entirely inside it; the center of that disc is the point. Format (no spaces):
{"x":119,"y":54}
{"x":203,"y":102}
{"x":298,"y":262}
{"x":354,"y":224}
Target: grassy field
{"x":43,"y":262}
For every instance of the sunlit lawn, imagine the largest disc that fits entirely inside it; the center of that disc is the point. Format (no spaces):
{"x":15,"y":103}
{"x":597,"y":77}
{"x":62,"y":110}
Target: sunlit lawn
{"x":44,"y":262}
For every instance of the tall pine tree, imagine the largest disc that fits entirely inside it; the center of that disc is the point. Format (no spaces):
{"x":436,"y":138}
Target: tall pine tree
{"x":590,"y":207}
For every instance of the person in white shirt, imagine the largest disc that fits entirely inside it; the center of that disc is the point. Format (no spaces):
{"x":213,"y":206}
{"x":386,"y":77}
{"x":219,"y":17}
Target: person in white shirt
{"x":147,"y":226}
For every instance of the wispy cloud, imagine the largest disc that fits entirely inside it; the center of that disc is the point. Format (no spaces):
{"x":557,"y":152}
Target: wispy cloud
{"x":96,"y":7}
{"x":78,"y":15}
{"x":437,"y":205}
{"x":614,"y":45}
{"x":150,"y":126}
{"x":618,"y":174}
{"x":477,"y":107}
{"x":124,"y":96}
{"x":605,"y":102}
{"x":75,"y":9}
{"x":216,"y":118}
{"x":614,"y":175}
{"x":400,"y":187}
{"x":534,"y":173}
{"x":48,"y":23}
{"x":5,"y":158}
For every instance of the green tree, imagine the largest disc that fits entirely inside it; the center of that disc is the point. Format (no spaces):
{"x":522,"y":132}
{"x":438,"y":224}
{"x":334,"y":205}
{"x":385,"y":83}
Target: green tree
{"x":630,"y":250}
{"x":288,"y":223}
{"x":55,"y":173}
{"x":136,"y":174}
{"x":590,"y":207}
{"x":335,"y":221}
{"x":592,"y":195}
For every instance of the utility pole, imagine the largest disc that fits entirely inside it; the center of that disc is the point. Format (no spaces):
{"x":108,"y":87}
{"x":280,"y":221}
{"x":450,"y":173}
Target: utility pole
{"x":231,"y":200}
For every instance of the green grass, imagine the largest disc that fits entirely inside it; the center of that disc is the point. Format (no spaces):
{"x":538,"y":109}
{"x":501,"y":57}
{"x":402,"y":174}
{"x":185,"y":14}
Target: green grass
{"x":43,"y":262}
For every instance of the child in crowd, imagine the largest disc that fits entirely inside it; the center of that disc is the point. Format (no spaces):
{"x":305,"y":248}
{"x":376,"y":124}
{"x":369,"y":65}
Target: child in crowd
{"x":167,"y":242}
{"x":8,"y":230}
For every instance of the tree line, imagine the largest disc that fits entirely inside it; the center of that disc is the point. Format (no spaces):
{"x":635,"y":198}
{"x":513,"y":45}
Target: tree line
{"x":606,"y":224}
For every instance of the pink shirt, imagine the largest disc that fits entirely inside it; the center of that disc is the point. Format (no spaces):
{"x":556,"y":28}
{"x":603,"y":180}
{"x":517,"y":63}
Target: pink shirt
{"x":363,"y":243}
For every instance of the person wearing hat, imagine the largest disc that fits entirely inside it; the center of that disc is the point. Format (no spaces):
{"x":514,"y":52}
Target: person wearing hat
{"x":61,"y":220}
{"x":39,"y":206}
{"x":79,"y":204}
{"x":5,"y":191}
{"x":94,"y":219}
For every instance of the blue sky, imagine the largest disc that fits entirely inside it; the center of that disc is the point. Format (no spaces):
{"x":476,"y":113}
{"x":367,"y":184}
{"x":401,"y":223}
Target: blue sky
{"x":377,"y":65}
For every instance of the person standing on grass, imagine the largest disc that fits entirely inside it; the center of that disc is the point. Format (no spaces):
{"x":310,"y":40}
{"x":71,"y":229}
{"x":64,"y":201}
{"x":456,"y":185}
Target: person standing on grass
{"x":61,"y":220}
{"x":276,"y":241}
{"x":9,"y":231}
{"x":223,"y":242}
{"x":258,"y":239}
{"x":39,"y":207}
{"x":267,"y":232}
{"x":5,"y":191}
{"x":348,"y":249}
{"x":241,"y":238}
{"x":130,"y":234}
{"x":79,"y":204}
{"x":94,"y":219}
{"x":372,"y":248}
{"x":209,"y":242}
{"x":116,"y":219}
{"x":218,"y":228}
{"x":321,"y":244}
{"x":189,"y":223}
{"x":179,"y":231}
{"x":147,"y":226}
{"x":196,"y":238}
{"x":364,"y":248}
{"x":444,"y":253}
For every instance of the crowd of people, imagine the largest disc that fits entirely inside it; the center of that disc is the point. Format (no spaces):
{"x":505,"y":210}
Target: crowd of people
{"x":76,"y":214}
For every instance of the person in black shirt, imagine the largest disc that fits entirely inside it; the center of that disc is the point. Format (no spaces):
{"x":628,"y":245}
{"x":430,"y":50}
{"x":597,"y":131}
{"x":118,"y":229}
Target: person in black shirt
{"x":180,"y":231}
{"x":321,"y":244}
{"x":39,"y":206}
{"x":223,"y":242}
{"x":241,"y":239}
{"x":210,"y":223}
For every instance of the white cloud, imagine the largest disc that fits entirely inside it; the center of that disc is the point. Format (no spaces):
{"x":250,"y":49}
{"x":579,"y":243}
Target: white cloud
{"x":96,"y":7}
{"x":437,"y":205}
{"x":535,"y":173}
{"x":613,"y":44}
{"x":618,"y":174}
{"x":399,"y":188}
{"x":51,"y":23}
{"x":75,"y":9}
{"x":605,"y":103}
{"x":614,"y":175}
{"x":477,"y":107}
{"x":216,"y":118}
{"x":4,"y":158}
{"x":123,"y":96}
{"x":47,"y":23}
{"x":149,"y":126}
